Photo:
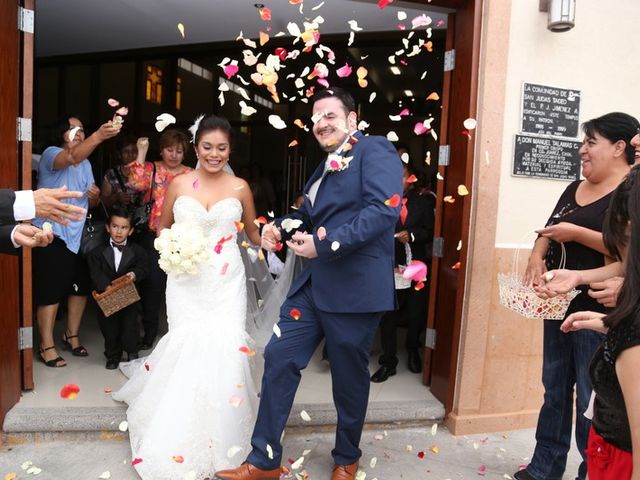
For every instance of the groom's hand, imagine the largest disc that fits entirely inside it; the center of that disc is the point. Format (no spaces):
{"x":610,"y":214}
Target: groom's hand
{"x":270,"y":237}
{"x":302,"y":245}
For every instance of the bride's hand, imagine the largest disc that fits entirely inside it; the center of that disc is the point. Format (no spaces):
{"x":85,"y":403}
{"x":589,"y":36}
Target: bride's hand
{"x":270,"y":237}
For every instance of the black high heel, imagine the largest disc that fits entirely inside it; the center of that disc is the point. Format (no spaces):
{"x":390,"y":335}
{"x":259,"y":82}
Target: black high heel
{"x":54,"y":363}
{"x":76,"y":352}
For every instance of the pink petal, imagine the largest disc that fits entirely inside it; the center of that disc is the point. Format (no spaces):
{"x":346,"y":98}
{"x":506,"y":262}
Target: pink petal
{"x":344,"y":72}
{"x":416,"y":271}
{"x":230,"y":70}
{"x":333,"y":164}
{"x":383,"y":3}
{"x":122,"y":111}
{"x":323,"y":82}
{"x":419,"y":128}
{"x":113,"y":102}
{"x":404,"y":112}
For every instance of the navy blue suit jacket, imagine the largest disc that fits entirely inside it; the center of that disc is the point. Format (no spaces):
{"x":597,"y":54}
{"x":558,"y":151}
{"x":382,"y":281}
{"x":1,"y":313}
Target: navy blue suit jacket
{"x":357,"y":277}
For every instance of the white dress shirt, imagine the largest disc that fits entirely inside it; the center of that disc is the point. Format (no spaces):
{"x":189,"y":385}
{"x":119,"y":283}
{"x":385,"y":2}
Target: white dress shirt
{"x":117,"y":254}
{"x":313,"y":189}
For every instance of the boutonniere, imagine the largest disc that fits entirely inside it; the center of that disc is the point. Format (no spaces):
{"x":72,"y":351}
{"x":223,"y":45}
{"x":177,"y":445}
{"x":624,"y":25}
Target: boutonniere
{"x":337,"y":163}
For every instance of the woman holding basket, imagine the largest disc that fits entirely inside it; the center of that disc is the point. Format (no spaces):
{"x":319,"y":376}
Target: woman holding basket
{"x":575,"y":227}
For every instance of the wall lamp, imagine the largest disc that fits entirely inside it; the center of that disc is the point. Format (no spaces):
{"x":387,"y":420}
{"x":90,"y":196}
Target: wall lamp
{"x":562,"y":14}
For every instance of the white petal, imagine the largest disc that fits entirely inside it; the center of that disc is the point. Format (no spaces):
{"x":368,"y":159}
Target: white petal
{"x":233,"y":451}
{"x":276,"y":330}
{"x":276,"y":122}
{"x":305,"y":416}
{"x":392,"y":136}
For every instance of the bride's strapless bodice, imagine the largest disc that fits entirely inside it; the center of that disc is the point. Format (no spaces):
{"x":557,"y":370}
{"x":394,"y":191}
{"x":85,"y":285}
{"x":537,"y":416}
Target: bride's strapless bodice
{"x":219,"y":220}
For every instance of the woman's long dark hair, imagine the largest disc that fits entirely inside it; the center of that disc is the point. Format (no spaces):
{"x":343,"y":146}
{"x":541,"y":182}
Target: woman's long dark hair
{"x":628,"y":303}
{"x":615,"y":231}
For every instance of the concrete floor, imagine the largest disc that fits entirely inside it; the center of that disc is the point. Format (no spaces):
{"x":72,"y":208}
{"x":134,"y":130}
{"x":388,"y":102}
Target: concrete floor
{"x":389,"y":453}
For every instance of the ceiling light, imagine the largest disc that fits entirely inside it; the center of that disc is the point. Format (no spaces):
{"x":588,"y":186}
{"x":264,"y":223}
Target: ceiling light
{"x":408,"y":93}
{"x":395,"y":70}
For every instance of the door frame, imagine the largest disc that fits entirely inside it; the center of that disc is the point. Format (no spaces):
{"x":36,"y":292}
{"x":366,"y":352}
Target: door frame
{"x":452,"y":222}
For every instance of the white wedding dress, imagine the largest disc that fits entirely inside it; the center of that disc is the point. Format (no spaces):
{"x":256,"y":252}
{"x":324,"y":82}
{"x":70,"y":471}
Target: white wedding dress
{"x":192,"y":402}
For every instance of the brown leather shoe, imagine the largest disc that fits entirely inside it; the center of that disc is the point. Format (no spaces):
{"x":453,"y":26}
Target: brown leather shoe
{"x":344,"y":472}
{"x":246,"y":471}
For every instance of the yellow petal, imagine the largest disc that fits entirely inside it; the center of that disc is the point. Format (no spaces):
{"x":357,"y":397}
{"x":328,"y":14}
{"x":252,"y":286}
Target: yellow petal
{"x":462,"y":190}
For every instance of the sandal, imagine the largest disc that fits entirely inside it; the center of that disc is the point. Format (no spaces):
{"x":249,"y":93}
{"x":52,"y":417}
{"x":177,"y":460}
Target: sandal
{"x":55,"y":363}
{"x":79,"y":351}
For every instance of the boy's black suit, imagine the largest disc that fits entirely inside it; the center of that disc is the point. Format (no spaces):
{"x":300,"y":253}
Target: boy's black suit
{"x":120,"y":330}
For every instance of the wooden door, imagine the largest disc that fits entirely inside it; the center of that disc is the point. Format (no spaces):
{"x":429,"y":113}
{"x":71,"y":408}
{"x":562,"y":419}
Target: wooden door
{"x":10,"y":370}
{"x":452,"y":219}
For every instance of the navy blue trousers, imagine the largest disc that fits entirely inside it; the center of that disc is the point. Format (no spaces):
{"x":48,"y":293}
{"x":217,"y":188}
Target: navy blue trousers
{"x":348,"y":339}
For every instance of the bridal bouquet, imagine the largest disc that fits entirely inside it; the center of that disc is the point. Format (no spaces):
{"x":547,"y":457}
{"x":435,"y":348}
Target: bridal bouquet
{"x":182,"y":248}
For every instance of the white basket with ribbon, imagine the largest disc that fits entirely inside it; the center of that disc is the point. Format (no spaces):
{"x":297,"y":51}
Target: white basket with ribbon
{"x":401,"y":282}
{"x":524,"y":300}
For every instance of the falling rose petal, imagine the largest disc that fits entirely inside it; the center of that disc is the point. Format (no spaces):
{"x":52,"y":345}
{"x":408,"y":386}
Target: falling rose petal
{"x":72,"y":133}
{"x":462,"y":190}
{"x":164,"y":120}
{"x":435,"y":449}
{"x":195,"y":184}
{"x":373,"y":462}
{"x":354,"y":25}
{"x":433,"y":96}
{"x":482,"y":469}
{"x":456,"y":266}
{"x":124,"y":426}
{"x":231,"y":69}
{"x":279,"y":246}
{"x":264,"y":38}
{"x":122,"y":111}
{"x":178,"y":458}
{"x":112,"y":102}
{"x":34,"y":470}
{"x":419,"y":286}
{"x":224,"y":268}
{"x":394,"y":201}
{"x":372,"y":97}
{"x":402,"y":16}
{"x":107,"y":390}
{"x":276,"y":122}
{"x":293,"y":143}
{"x":392,"y":136}
{"x":405,"y":112}
{"x":459,"y":246}
{"x":409,"y":448}
{"x":434,"y":429}
{"x":383,"y":3}
{"x":405,"y":158}
{"x":395,"y":118}
{"x":470,"y":123}
{"x":322,"y":233}
{"x":421,"y":454}
{"x":247,"y":351}
{"x":295,"y":314}
{"x":103,"y":476}
{"x":181,"y":29}
{"x":411,"y":178}
{"x":245,"y":109}
{"x":239,"y":226}
{"x":378,"y":436}
{"x":147,"y":367}
{"x":265,"y":13}
{"x":344,"y":71}
{"x":419,"y":128}
{"x":233,"y":451}
{"x":335,"y":246}
{"x":276,"y":330}
{"x":421,"y":21}
{"x":305,"y":416}
{"x":70,"y":391}
{"x":136,"y":461}
{"x":428,"y":46}
{"x":416,"y":271}
{"x":235,"y":401}
{"x":449,"y":199}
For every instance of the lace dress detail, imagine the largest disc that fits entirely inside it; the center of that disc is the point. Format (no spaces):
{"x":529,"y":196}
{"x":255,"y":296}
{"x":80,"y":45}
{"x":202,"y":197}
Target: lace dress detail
{"x":195,"y":396}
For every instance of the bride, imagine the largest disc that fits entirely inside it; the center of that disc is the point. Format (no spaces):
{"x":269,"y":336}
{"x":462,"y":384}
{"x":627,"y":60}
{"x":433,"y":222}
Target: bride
{"x":192,"y":402}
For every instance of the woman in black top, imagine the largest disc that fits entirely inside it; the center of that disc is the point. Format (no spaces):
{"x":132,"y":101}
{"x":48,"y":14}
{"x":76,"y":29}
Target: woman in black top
{"x":576,"y":222}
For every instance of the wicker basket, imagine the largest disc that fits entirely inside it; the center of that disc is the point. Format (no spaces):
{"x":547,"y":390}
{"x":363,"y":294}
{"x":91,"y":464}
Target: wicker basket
{"x":120,"y":294}
{"x":524,"y":300}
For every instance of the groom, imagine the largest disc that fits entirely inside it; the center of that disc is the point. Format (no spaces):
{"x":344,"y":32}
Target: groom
{"x":347,"y":232}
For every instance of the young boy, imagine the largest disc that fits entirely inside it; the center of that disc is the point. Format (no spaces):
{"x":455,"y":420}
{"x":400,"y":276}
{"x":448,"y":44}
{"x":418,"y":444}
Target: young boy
{"x":108,"y":262}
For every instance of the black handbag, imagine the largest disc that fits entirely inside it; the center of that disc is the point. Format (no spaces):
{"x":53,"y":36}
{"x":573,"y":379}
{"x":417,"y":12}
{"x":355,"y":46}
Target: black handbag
{"x":94,"y":233}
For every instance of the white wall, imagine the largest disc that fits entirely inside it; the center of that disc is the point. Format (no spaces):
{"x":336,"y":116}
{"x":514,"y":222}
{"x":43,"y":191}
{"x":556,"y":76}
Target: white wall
{"x":600,"y":57}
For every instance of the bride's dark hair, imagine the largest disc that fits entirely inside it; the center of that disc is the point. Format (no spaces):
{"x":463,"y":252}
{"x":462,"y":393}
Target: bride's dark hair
{"x":211,"y":123}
